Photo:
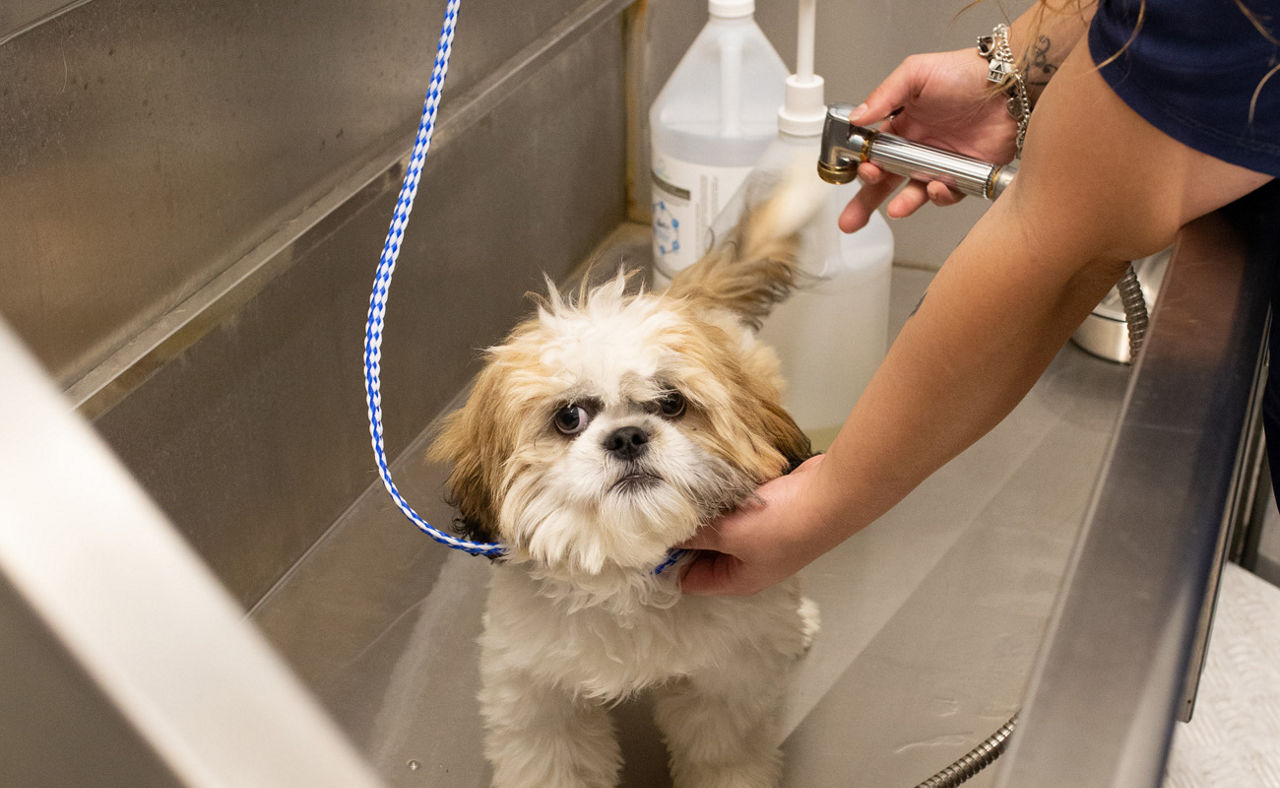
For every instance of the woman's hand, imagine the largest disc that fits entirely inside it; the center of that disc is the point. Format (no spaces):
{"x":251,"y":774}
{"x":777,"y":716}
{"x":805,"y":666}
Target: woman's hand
{"x":763,"y":542}
{"x":941,"y":99}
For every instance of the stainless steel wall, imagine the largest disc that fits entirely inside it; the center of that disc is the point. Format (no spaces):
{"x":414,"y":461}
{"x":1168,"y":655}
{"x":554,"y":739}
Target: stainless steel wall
{"x":16,"y":16}
{"x":148,"y":146}
{"x":195,"y":196}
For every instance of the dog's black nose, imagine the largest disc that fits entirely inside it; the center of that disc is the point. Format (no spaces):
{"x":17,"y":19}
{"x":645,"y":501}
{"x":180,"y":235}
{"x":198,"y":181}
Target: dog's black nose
{"x":627,"y":443}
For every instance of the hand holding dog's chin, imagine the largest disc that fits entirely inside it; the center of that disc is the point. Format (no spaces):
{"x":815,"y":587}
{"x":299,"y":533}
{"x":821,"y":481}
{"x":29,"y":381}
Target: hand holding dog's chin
{"x":763,"y":542}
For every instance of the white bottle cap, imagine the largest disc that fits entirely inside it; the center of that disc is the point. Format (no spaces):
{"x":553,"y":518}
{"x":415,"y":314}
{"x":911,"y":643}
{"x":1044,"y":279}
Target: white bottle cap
{"x":805,"y":109}
{"x":731,"y":8}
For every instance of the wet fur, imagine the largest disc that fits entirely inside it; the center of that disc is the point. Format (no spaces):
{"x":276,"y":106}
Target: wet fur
{"x":576,"y":620}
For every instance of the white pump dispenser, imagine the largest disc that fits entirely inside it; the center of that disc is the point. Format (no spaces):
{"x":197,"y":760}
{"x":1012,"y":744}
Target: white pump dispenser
{"x":805,"y":108}
{"x":832,"y":333}
{"x":708,"y":127}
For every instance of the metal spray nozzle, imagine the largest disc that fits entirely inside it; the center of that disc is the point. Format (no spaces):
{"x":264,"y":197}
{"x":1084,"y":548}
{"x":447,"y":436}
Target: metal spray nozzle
{"x":845,"y":146}
{"x":838,"y":161}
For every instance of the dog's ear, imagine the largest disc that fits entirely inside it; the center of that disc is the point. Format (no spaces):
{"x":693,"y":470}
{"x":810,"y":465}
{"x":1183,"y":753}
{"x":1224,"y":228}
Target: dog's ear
{"x":755,"y":266}
{"x":468,"y":441}
{"x":744,"y":408}
{"x":785,"y":435}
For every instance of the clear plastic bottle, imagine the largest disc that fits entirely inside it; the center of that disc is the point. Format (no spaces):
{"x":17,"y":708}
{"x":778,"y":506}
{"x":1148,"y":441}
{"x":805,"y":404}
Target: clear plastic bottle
{"x":708,"y":127}
{"x":832,"y":332}
{"x":831,"y":335}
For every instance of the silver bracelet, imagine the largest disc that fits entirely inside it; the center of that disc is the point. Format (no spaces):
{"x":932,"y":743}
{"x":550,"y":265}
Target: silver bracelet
{"x":1003,"y":71}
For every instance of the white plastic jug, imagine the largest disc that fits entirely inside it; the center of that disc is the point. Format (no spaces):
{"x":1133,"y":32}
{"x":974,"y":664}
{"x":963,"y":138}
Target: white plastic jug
{"x":708,"y":127}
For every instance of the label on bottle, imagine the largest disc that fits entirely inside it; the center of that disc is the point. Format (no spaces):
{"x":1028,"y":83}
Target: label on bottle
{"x":687,"y":197}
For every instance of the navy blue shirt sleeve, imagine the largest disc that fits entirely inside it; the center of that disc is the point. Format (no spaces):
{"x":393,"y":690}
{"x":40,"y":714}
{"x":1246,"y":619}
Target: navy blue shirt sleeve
{"x":1201,"y":71}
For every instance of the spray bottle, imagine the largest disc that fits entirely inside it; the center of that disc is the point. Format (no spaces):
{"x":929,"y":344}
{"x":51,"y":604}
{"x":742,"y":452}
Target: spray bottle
{"x":708,"y":127}
{"x":832,"y":333}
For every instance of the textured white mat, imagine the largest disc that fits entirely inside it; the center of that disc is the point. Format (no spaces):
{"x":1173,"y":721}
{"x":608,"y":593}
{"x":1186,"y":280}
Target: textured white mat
{"x":1233,"y":738}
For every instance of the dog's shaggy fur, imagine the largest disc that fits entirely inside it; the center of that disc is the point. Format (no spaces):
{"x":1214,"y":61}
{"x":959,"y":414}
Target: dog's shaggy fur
{"x":602,"y":432}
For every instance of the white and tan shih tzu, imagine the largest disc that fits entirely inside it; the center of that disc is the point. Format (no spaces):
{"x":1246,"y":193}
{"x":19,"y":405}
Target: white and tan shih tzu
{"x":601,"y":433}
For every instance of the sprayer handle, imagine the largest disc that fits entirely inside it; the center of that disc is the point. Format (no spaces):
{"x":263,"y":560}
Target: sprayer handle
{"x":922,"y":162}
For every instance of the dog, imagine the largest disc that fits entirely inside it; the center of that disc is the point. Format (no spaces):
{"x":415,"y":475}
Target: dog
{"x":603,"y":431}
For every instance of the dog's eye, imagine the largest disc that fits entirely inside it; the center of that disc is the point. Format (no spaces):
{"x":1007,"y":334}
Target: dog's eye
{"x":671,"y":404}
{"x":571,"y":419}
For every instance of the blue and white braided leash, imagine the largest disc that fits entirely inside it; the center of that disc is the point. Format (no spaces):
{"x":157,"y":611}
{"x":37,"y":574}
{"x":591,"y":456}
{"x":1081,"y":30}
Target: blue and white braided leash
{"x":382,"y":285}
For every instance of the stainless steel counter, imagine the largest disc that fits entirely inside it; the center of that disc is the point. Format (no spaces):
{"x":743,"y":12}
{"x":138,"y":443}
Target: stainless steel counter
{"x":1123,"y":653}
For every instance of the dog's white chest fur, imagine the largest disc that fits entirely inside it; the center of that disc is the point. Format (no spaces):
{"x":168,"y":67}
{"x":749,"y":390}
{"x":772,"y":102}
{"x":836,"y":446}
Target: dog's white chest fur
{"x":649,"y":634}
{"x":555,"y":658}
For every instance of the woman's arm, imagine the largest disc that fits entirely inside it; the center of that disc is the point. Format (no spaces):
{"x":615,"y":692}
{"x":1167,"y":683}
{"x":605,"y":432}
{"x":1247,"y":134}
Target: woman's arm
{"x":1098,"y":187}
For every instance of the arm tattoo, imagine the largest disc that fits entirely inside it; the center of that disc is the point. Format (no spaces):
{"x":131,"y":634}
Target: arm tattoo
{"x":1040,"y":68}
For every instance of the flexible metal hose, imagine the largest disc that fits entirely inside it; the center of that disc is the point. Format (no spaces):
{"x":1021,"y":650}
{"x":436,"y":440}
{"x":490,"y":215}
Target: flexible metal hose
{"x":974,"y":760}
{"x":1135,"y":310}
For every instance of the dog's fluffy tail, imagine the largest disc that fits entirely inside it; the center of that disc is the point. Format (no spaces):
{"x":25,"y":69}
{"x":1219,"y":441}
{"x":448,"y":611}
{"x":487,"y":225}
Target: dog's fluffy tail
{"x":756,"y":266}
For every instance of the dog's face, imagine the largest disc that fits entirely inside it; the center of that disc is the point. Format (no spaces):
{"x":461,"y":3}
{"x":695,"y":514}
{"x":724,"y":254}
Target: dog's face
{"x":605,"y":431}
